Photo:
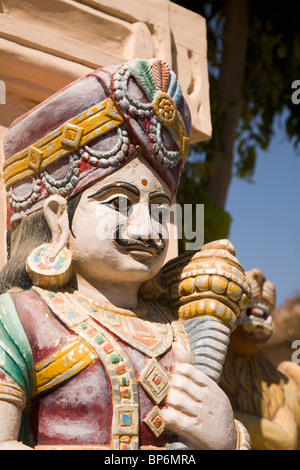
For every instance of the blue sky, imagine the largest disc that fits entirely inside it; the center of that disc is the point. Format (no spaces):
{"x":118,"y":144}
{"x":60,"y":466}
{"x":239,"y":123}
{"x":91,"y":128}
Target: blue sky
{"x":265,"y":229}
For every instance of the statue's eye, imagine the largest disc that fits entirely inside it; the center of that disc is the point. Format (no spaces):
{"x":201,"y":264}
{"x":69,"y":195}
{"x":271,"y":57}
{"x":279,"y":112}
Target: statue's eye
{"x":121,"y":204}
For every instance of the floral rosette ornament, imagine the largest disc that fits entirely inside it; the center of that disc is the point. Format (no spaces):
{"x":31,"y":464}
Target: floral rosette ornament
{"x":160,"y":86}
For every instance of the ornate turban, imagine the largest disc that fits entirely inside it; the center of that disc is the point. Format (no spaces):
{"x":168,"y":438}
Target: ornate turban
{"x":91,"y":128}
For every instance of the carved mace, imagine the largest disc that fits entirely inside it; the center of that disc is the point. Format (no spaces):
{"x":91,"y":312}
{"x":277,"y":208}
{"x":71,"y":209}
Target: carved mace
{"x":209,"y":290}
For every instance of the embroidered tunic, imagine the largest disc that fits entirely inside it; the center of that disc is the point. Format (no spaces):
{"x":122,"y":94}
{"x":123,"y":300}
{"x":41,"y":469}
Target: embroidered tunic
{"x":93,"y":376}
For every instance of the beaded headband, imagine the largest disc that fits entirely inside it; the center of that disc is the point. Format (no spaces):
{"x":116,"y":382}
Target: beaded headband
{"x":91,"y":128}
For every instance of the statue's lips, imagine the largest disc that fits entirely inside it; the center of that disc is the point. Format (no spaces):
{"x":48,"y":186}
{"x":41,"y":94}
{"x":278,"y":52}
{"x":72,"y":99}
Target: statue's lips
{"x":142,"y":255}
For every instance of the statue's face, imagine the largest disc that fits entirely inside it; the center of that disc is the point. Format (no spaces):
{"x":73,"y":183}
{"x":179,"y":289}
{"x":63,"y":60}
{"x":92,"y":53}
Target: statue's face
{"x":256,"y":324}
{"x":117,"y":230}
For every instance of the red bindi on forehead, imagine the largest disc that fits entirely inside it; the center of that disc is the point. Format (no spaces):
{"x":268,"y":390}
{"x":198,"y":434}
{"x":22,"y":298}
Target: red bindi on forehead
{"x":144,"y":182}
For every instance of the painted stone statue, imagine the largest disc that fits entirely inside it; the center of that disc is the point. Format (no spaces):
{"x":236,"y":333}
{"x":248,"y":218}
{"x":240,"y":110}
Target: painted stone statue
{"x":264,"y":397}
{"x":101,"y":348}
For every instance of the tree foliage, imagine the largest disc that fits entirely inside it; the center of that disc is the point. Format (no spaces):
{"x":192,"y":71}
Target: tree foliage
{"x":271,"y":65}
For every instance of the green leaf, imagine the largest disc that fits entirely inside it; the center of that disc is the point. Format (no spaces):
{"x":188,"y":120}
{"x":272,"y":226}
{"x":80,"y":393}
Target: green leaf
{"x":143,"y":73}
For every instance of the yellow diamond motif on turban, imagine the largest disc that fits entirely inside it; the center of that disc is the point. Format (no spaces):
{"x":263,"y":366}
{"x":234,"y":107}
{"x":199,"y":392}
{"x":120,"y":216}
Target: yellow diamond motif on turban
{"x":71,"y":135}
{"x":34,"y":158}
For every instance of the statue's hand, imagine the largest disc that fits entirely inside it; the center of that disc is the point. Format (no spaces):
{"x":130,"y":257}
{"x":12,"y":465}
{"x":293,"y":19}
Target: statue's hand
{"x":10,"y":419}
{"x":13,"y":445}
{"x":199,"y":411}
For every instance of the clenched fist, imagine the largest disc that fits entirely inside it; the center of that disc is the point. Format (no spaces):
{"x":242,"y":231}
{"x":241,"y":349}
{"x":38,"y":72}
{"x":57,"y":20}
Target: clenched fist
{"x":199,"y":411}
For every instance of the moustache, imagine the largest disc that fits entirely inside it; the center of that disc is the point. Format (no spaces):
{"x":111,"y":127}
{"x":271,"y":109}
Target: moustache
{"x":155,"y":246}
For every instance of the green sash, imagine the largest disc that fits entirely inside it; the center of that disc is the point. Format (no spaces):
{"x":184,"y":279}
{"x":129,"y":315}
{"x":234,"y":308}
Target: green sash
{"x":16,"y":358}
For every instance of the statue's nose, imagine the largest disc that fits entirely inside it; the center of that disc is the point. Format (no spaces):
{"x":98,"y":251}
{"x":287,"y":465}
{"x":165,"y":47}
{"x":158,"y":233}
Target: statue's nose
{"x":139,"y":223}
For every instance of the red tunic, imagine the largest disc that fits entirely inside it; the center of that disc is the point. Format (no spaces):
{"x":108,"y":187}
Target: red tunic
{"x":79,"y":410}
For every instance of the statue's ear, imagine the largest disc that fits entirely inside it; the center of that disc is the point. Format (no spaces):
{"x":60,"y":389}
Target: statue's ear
{"x":56,"y":215}
{"x":50,"y":264}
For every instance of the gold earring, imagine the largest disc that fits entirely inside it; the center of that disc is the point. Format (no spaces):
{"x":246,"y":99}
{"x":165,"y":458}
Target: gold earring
{"x":49,"y":272}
